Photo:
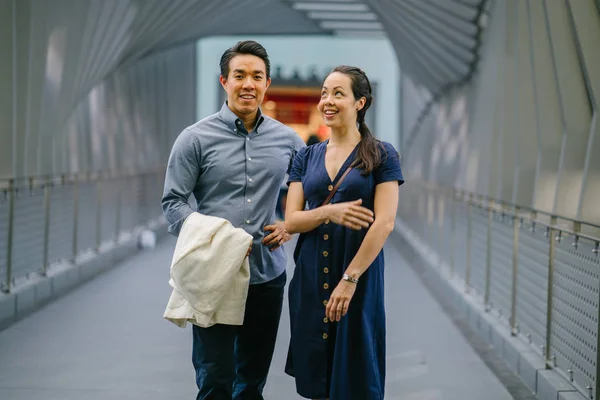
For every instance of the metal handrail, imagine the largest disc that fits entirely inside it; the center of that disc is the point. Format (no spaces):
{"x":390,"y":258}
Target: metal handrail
{"x":506,"y":207}
{"x":96,"y":180}
{"x":485,"y":208}
{"x":40,"y":181}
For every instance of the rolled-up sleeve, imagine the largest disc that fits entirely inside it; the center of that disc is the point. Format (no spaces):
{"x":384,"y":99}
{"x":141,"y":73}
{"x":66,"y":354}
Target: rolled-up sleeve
{"x":183,"y":170}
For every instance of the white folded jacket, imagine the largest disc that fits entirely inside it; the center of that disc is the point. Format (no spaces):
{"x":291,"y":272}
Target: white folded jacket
{"x":210,"y":273}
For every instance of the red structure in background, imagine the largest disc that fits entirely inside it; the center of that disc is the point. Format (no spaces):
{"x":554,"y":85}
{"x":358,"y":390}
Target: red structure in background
{"x":293,"y":108}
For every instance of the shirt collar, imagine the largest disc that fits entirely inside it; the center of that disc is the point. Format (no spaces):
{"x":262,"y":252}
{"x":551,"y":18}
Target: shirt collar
{"x":233,"y":121}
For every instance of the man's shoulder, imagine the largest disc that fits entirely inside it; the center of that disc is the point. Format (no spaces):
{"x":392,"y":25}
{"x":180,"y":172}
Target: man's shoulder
{"x":278,"y":126}
{"x":207,"y":122}
{"x":197,"y":132}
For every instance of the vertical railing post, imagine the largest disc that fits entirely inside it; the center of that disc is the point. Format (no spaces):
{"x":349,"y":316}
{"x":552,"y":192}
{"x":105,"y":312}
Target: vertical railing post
{"x":595,"y":250}
{"x":550,"y":289}
{"x":452,"y":230}
{"x":441,"y":215}
{"x":98,"y":211}
{"x":514,"y":328}
{"x":469,"y":244}
{"x":119,"y":184}
{"x":488,"y":257}
{"x":47,"y":202}
{"x":9,"y":241}
{"x":74,"y":242}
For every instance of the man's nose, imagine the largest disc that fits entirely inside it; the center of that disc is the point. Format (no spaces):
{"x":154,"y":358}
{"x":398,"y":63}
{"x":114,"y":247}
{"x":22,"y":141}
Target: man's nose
{"x":248,"y":83}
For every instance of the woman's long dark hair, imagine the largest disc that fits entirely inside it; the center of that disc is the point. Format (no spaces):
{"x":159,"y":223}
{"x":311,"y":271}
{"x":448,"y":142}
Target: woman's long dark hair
{"x":370,"y":149}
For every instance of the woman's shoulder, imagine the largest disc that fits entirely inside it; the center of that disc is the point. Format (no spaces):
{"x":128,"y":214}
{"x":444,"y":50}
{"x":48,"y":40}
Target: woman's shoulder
{"x":387,"y":151}
{"x":312,"y":150}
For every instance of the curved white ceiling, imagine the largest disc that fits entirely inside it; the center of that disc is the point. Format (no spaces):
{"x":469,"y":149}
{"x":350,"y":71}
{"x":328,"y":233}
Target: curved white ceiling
{"x":436,"y":40}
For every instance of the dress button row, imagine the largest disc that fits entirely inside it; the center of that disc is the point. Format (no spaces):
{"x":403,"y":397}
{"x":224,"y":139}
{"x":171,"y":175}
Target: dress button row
{"x":325,"y":320}
{"x":325,"y":237}
{"x":326,"y":286}
{"x":325,"y":336}
{"x":326,"y":270}
{"x":325,"y":254}
{"x":330,"y":188}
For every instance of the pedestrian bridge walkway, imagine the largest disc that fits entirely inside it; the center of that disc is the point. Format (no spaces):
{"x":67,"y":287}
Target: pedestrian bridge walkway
{"x":107,"y":340}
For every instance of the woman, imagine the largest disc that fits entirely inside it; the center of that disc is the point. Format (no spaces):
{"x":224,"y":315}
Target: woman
{"x":337,"y":346}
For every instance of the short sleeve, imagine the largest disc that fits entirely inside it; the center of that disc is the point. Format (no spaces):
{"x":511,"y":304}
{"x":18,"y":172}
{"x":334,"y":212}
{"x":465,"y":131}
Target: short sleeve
{"x":389,"y":169}
{"x":297,"y":145}
{"x":298,"y":166}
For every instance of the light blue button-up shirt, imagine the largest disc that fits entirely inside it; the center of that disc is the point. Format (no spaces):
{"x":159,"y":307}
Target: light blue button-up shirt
{"x":234,"y":175}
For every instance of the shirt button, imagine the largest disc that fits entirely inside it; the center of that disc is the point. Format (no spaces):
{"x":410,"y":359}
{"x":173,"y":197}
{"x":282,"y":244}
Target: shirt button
{"x":326,"y":286}
{"x":249,"y":179}
{"x":325,"y":254}
{"x":326,"y":270}
{"x":325,"y":336}
{"x":247,"y":221}
{"x":325,"y":237}
{"x":249,"y":201}
{"x":238,"y":122}
{"x":235,"y":130}
{"x":325,"y":320}
{"x":249,"y":158}
{"x":247,"y":138}
{"x":330,"y":188}
{"x":325,"y":302}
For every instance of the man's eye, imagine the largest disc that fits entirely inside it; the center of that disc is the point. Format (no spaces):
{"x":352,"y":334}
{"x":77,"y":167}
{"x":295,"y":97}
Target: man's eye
{"x":258,"y":77}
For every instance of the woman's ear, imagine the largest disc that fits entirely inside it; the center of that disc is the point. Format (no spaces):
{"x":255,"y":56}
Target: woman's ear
{"x":361,"y":103}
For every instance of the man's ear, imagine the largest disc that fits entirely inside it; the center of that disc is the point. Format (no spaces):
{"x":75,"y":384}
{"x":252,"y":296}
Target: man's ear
{"x":223,"y":81}
{"x":268,"y":82}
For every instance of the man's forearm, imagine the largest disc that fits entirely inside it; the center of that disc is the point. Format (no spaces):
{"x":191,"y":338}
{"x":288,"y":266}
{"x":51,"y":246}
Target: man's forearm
{"x":176,"y":209}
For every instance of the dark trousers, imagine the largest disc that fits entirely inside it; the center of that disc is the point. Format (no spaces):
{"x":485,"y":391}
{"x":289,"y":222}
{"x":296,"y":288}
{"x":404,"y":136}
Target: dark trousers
{"x":232,"y":362}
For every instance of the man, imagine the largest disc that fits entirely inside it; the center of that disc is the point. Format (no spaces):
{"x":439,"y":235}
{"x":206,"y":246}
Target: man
{"x":234,"y":162}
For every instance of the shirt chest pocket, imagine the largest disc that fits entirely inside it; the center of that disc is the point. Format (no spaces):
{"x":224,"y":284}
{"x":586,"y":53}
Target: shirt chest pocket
{"x":267,"y":167}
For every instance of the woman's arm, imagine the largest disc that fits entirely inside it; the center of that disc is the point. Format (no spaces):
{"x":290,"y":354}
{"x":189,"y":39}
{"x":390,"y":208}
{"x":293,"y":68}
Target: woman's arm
{"x":349,"y":214}
{"x":386,"y":204}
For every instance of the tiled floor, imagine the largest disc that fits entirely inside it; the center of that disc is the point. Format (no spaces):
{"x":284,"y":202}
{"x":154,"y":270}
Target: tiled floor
{"x":107,"y":340}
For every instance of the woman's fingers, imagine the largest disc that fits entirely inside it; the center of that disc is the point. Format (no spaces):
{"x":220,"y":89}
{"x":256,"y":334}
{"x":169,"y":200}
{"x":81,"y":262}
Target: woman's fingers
{"x":338,"y":311}
{"x":355,"y":223}
{"x":330,"y":307}
{"x":362,"y":211}
{"x":345,"y":308}
{"x":337,"y":307}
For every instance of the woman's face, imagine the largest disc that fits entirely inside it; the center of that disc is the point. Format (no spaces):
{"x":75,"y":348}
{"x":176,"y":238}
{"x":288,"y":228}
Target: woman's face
{"x":338,"y":107}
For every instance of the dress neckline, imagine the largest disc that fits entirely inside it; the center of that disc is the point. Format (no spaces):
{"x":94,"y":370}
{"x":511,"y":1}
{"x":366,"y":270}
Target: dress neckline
{"x":344,"y":164}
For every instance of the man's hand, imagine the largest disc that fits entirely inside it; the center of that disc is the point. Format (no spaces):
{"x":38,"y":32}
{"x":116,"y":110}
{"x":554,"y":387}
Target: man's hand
{"x":278,"y":235}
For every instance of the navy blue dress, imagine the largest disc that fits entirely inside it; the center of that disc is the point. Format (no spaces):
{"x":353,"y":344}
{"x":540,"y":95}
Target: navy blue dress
{"x":343,"y":360}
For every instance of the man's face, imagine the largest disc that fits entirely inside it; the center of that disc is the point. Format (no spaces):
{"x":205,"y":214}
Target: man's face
{"x":246,"y":84}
